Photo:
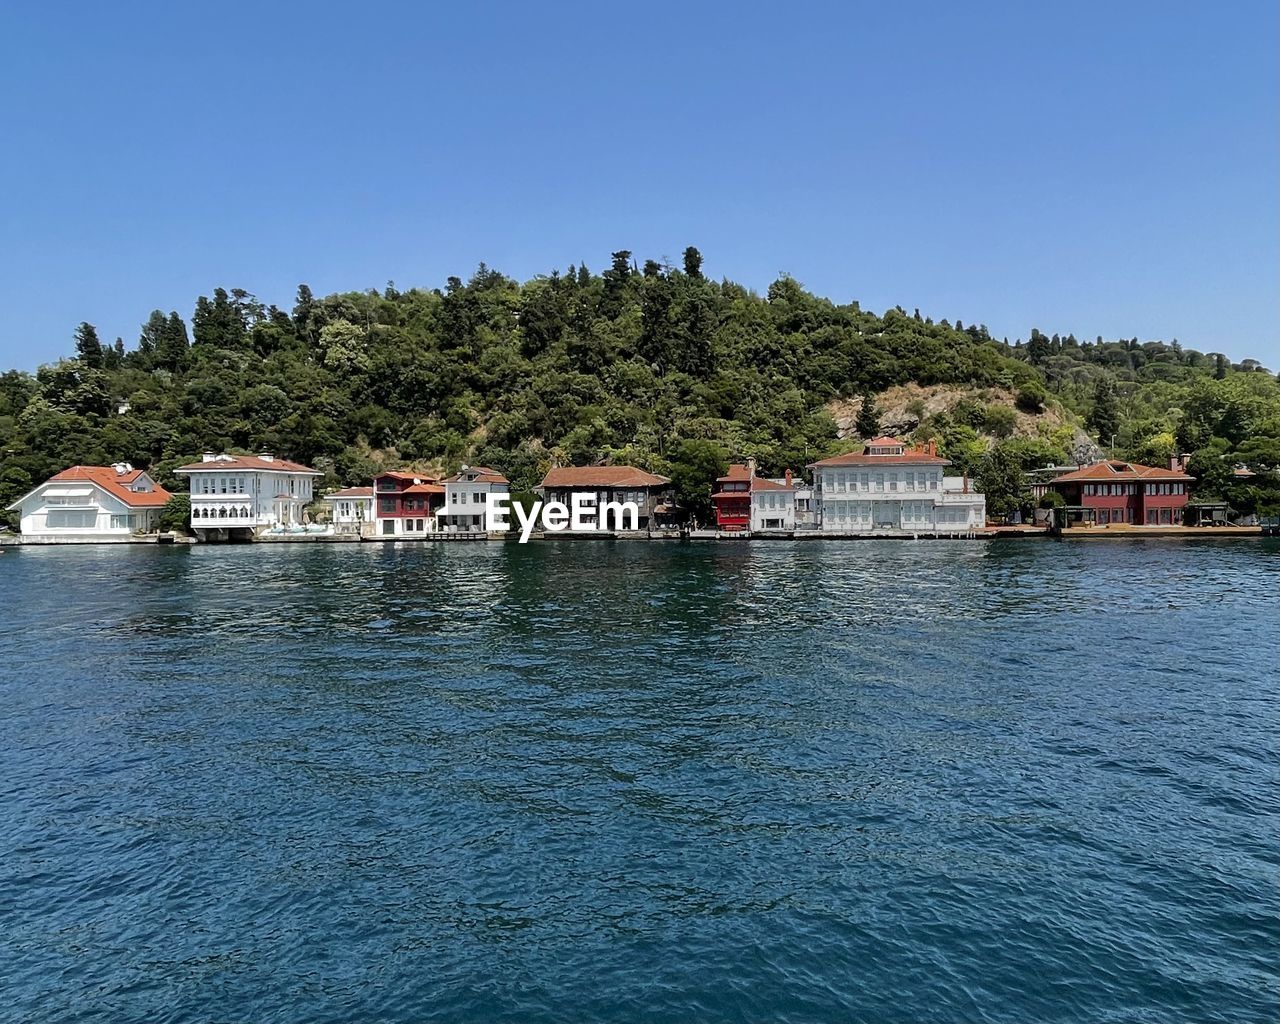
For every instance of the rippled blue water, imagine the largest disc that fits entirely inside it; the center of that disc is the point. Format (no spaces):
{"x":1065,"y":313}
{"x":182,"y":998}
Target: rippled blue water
{"x":1012,"y":782}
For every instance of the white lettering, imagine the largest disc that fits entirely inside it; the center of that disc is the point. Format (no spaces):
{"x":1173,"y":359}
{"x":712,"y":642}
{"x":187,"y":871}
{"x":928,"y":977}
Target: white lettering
{"x":496,"y":511}
{"x":555,"y":516}
{"x":620,"y":510}
{"x":527,"y":520}
{"x":583,"y":502}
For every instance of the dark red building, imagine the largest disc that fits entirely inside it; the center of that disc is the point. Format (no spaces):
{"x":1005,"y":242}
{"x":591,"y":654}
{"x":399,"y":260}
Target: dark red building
{"x":1124,"y":492}
{"x":732,"y":498}
{"x":405,"y":503}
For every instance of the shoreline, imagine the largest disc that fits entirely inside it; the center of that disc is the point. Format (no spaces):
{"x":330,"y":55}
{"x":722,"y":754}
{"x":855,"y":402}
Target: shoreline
{"x":1109,"y":533}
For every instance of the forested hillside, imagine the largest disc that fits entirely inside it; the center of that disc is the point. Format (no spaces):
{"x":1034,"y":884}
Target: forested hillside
{"x":652,"y":365}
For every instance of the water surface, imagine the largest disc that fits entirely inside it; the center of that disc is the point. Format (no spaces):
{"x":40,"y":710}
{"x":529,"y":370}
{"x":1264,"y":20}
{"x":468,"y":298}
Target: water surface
{"x":824,"y":781}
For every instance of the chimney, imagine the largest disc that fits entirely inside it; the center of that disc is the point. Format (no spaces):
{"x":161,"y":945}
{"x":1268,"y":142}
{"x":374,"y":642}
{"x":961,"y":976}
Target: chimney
{"x":208,"y":457}
{"x":266,"y":457}
{"x":788,"y":478}
{"x":751,"y":469}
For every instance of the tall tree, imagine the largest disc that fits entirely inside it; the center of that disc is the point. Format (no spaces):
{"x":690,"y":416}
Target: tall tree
{"x":1038,"y":348}
{"x":868,"y":422}
{"x":617,"y":281}
{"x":89,"y":348}
{"x":693,"y":262}
{"x":1104,"y":418}
{"x":173,"y":345}
{"x":1220,"y":367}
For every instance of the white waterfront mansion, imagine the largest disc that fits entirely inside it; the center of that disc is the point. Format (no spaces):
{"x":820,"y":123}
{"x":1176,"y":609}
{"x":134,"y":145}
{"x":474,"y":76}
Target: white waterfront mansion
{"x":891,"y":489}
{"x":91,"y":503}
{"x":247,"y":492}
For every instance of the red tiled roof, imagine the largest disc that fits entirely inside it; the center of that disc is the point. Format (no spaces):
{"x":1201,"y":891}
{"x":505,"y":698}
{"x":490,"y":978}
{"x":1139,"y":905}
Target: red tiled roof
{"x":484,"y":475}
{"x":423,"y":489}
{"x":601,"y":476}
{"x":737,"y":471}
{"x":907,"y":458}
{"x":1114,"y":469}
{"x":350,"y":492}
{"x":885,"y":442}
{"x":761,"y":483}
{"x":115,"y":484}
{"x":253,"y":463}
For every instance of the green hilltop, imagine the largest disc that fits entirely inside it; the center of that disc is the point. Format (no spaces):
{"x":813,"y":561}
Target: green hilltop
{"x":651,"y":365}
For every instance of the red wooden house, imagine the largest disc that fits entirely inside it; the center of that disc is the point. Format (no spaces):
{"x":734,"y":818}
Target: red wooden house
{"x":732,"y":498}
{"x":405,"y":503}
{"x":1124,"y":492}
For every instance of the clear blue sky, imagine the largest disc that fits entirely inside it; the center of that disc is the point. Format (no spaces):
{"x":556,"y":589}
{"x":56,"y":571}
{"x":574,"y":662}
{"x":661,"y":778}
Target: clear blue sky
{"x":1091,"y":168}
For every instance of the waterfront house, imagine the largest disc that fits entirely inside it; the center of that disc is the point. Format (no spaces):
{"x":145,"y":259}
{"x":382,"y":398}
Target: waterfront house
{"x":1118,"y":492}
{"x":351,"y":510}
{"x":745,"y":502}
{"x":1040,"y":481}
{"x":466,"y":497}
{"x":892,"y":488}
{"x":240,"y":495}
{"x":407,"y":504}
{"x":92,"y":503}
{"x":653,"y":495}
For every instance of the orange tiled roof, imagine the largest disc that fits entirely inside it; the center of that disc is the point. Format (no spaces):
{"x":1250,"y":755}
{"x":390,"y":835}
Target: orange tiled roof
{"x":601,"y":476}
{"x":907,"y":458}
{"x":115,"y":484}
{"x":885,"y":442}
{"x":253,"y":463}
{"x":484,"y":475}
{"x":1114,"y":469}
{"x":762,"y":483}
{"x":737,"y":472}
{"x":350,"y":492}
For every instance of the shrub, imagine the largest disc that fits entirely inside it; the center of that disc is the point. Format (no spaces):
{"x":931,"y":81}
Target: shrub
{"x":1031,"y":397}
{"x":999,"y":420}
{"x":176,"y":514}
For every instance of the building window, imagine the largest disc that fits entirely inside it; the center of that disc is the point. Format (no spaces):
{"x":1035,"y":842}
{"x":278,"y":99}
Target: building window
{"x":387,"y":504}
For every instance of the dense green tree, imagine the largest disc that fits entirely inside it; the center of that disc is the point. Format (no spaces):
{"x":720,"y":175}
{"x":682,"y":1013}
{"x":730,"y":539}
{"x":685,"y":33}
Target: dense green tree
{"x":175,"y":516}
{"x":868,"y":422}
{"x":1104,"y":417}
{"x":693,"y":262}
{"x":88,"y":347}
{"x":695,"y":464}
{"x":1000,"y":479}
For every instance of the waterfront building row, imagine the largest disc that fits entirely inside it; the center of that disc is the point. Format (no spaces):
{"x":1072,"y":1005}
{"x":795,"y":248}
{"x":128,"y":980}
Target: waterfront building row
{"x":889,"y":488}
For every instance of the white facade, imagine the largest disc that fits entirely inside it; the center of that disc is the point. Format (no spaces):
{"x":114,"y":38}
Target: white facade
{"x":466,"y":498}
{"x":351,"y":510}
{"x":889,"y":490}
{"x":91,"y":503}
{"x":772,"y":507}
{"x":253,"y":492}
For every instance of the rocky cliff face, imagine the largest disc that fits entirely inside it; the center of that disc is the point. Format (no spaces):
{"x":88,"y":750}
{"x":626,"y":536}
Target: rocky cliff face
{"x":903,"y":408}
